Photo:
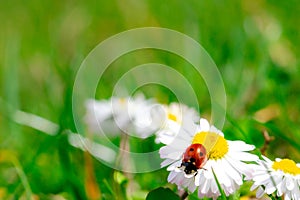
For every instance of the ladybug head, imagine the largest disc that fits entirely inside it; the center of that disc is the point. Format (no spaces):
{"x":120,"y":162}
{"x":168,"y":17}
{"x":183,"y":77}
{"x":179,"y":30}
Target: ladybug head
{"x":189,"y":167}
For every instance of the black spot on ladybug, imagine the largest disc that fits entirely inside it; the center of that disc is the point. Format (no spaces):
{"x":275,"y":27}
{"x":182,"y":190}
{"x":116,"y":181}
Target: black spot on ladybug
{"x":201,"y":154}
{"x":191,"y":149}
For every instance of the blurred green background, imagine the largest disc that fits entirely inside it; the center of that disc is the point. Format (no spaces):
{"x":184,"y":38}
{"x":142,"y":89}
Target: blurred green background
{"x":255,"y":44}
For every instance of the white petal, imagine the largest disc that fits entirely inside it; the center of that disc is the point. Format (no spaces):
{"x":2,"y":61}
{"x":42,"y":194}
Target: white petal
{"x":262,"y":179}
{"x":201,"y":178}
{"x":276,"y":179}
{"x":177,"y":169}
{"x":231,"y":172}
{"x":287,"y":197}
{"x":270,"y":162}
{"x":260,"y":192}
{"x":172,"y":176}
{"x":185,"y":135}
{"x":259,"y":170}
{"x":270,"y":188}
{"x":200,"y":194}
{"x":279,"y":189}
{"x":289,"y":183}
{"x":283,"y":185}
{"x":174,"y":165}
{"x":208,"y":173}
{"x":180,"y":144}
{"x":164,"y":138}
{"x":244,"y":156}
{"x":180,"y":179}
{"x":101,"y":109}
{"x":240,"y":166}
{"x":204,"y":125}
{"x":169,"y":152}
{"x":214,"y":188}
{"x":253,"y":187}
{"x":197,"y":179}
{"x":167,"y":162}
{"x":189,"y":175}
{"x":205,"y":187}
{"x":191,"y":187}
{"x":228,"y":190}
{"x":220,"y":174}
{"x":189,"y":126}
{"x":296,"y":192}
{"x":240,"y":146}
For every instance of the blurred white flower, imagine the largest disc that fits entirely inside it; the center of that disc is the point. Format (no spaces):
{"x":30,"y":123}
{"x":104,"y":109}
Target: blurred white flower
{"x":131,"y":115}
{"x":280,"y":176}
{"x":176,"y":116}
{"x":225,"y":158}
{"x":96,"y":112}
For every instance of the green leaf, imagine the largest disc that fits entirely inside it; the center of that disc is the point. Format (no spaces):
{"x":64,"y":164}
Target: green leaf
{"x":162,"y":193}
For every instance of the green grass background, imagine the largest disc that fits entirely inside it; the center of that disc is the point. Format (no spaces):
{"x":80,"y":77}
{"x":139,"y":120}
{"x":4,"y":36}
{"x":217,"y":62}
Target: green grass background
{"x":255,"y":45}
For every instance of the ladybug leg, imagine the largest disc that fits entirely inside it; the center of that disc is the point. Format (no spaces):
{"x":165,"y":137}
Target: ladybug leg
{"x":196,"y":173}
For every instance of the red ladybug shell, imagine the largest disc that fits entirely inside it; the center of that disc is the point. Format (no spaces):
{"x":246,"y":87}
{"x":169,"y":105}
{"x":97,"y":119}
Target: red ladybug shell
{"x":194,"y":158}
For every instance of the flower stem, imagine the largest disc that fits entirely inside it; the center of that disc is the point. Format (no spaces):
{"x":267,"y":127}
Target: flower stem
{"x":268,"y":139}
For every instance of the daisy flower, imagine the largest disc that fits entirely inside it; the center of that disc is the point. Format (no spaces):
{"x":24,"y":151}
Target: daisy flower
{"x":176,"y":116}
{"x":224,"y":158}
{"x":281,"y":176}
{"x":131,"y":114}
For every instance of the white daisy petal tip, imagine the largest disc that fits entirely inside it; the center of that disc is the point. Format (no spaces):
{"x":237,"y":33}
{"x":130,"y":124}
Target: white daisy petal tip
{"x":204,"y":125}
{"x":251,"y":146}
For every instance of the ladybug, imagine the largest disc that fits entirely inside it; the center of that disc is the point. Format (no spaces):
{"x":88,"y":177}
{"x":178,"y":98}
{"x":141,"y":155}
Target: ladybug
{"x":194,"y":158}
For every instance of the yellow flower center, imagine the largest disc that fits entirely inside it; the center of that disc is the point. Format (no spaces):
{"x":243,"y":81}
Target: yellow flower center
{"x":287,"y":166}
{"x":216,"y":146}
{"x":172,"y":117}
{"x":122,"y":100}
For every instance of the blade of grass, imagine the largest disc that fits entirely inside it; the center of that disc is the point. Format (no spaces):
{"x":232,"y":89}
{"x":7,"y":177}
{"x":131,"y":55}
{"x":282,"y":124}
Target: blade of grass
{"x":7,"y":156}
{"x":11,"y":86}
{"x":108,"y":187}
{"x":223,"y":196}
